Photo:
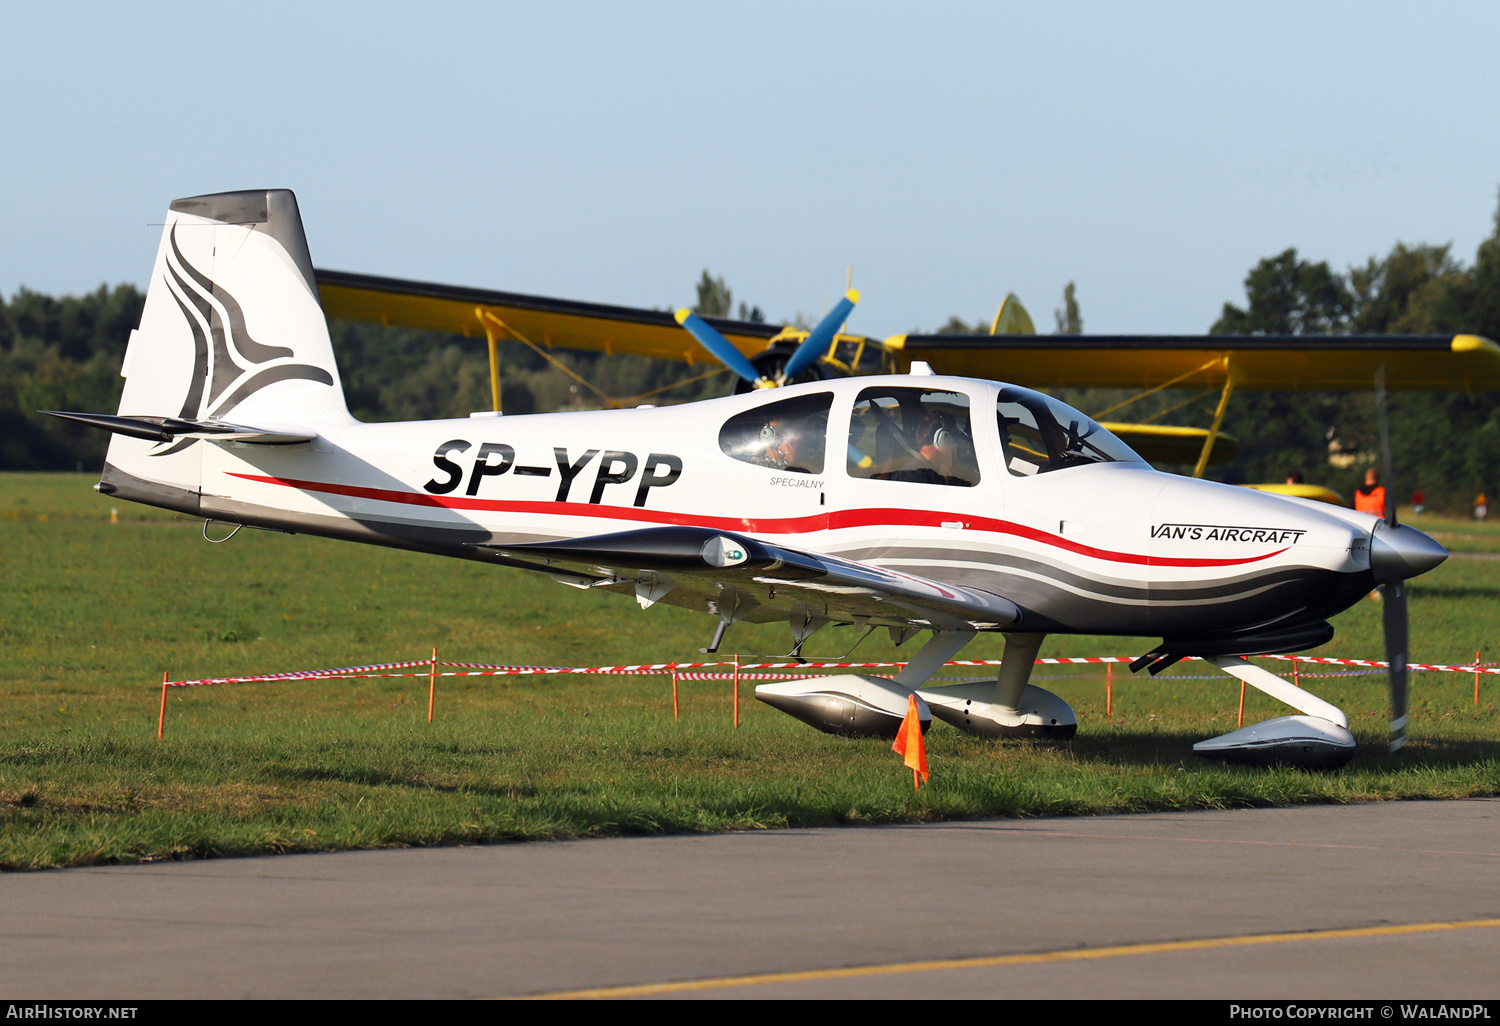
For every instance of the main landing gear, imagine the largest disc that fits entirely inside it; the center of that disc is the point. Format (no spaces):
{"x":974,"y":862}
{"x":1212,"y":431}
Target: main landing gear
{"x":858,"y":705}
{"x":862,"y":705}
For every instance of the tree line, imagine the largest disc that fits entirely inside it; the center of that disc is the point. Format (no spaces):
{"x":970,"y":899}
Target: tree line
{"x":65,"y":353}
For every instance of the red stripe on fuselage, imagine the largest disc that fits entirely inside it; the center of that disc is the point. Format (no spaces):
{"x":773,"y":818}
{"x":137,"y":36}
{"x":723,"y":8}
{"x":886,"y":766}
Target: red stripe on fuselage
{"x":833,"y":520}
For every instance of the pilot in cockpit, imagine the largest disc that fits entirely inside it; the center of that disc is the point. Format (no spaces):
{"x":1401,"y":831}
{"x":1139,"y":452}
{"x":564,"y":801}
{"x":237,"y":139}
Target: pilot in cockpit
{"x":942,"y":454}
{"x":781,"y":439}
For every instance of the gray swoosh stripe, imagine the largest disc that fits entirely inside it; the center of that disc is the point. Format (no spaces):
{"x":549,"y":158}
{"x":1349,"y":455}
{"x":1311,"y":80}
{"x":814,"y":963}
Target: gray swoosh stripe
{"x":200,"y":358}
{"x":269,"y":376}
{"x":225,"y":369}
{"x":1100,"y":586}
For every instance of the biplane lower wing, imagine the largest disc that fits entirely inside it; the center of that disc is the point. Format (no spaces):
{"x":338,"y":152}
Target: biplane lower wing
{"x":740,"y":578}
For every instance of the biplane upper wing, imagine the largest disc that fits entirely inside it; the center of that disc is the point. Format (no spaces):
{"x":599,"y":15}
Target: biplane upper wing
{"x":741,"y":578}
{"x":1437,"y":363}
{"x":596,"y":327}
{"x":1440,"y":363}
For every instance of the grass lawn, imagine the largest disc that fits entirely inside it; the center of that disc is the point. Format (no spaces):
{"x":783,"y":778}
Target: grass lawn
{"x":94,"y":612}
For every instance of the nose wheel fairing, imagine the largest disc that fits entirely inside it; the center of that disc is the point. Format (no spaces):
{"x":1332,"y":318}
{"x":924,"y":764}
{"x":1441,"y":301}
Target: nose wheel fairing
{"x":1306,"y":742}
{"x":1317,"y":739}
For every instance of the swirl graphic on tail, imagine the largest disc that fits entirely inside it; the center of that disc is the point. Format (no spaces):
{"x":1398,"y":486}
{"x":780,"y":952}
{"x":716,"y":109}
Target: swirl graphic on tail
{"x":226,"y":357}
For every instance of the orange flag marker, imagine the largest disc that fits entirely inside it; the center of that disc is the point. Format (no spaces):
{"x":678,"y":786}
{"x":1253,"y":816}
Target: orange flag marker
{"x":909,"y":743}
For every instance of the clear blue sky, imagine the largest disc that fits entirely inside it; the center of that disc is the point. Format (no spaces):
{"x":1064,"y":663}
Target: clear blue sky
{"x":1152,"y":152}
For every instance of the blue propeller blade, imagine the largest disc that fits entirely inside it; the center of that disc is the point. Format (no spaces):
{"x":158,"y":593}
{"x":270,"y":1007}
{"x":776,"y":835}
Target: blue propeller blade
{"x":817,"y":342}
{"x":718,"y":345}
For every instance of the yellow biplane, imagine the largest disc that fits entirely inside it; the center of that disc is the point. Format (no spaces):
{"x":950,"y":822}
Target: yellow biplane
{"x":1012,"y":352}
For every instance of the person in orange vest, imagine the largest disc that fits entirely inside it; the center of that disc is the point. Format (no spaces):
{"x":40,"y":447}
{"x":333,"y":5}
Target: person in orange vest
{"x":1370,"y":496}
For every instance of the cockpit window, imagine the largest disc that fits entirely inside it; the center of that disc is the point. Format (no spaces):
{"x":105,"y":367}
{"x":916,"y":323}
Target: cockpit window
{"x":912,"y":434}
{"x":1039,"y":434}
{"x":788,"y":435}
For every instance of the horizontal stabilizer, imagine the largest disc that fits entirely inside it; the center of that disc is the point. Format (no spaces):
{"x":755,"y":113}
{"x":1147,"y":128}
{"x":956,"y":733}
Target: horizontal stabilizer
{"x":166,"y":429}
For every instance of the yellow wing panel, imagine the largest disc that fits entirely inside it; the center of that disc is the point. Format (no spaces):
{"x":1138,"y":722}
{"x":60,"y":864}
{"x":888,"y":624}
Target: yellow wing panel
{"x":1437,"y":363}
{"x":565,"y":323}
{"x":1162,"y":443}
{"x":1301,"y":491}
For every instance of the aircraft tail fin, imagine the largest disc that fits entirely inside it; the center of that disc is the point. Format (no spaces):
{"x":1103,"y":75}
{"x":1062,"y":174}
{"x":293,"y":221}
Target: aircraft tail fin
{"x":1011,"y":318}
{"x":232,"y":333}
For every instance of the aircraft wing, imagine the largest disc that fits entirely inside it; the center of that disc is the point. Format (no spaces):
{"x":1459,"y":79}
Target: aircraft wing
{"x":567,"y":323}
{"x":1331,"y":363}
{"x":741,"y":578}
{"x":1439,"y":363}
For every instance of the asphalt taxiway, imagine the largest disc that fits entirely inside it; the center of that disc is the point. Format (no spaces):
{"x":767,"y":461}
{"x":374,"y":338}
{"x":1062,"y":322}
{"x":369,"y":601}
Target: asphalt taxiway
{"x":1384,"y":900}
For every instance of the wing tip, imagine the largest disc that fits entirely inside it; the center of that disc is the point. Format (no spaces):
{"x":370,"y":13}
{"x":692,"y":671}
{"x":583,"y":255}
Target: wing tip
{"x":1472,"y":343}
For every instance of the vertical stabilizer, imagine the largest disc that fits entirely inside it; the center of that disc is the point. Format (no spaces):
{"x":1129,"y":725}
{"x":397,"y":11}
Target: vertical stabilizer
{"x":232,"y":331}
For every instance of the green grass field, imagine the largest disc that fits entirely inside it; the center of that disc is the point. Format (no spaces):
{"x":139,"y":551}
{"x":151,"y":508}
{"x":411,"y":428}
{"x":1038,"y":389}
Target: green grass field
{"x":93,"y":613}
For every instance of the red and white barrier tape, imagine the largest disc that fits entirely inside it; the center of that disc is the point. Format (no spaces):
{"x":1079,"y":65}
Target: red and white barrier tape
{"x":686,"y":671}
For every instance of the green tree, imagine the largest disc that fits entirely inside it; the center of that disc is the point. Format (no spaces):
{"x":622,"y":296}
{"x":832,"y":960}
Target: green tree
{"x":1288,"y":296}
{"x":1069,"y":320}
{"x":1403,"y":293}
{"x":956,"y":325}
{"x":715,"y":299}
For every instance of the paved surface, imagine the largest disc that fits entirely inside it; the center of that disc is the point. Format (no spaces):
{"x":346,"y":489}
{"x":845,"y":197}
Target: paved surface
{"x":537,"y":918}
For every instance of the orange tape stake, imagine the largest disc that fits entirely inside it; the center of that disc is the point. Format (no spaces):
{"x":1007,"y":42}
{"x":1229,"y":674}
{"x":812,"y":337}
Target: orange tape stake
{"x":1476,"y":680}
{"x":736,"y":691}
{"x":1241,"y":721}
{"x":675,"y":715}
{"x":1109,"y":690}
{"x":432,"y":685}
{"x":1296,"y":677}
{"x":161,"y":719}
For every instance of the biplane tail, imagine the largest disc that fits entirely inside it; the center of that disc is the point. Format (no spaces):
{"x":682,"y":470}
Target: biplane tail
{"x":232,"y":345}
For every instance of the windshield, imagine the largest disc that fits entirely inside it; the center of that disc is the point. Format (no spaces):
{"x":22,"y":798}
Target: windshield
{"x":1039,"y":434}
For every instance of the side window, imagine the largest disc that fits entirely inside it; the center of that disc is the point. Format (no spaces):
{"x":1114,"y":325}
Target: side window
{"x":788,"y":435}
{"x":911,"y":434}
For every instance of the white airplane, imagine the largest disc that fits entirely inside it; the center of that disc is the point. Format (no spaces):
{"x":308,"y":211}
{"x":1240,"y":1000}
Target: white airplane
{"x":913,"y":502}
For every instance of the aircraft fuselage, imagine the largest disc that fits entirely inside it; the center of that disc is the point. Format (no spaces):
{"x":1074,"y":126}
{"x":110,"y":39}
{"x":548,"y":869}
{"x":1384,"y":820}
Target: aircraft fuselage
{"x":1106,"y":547}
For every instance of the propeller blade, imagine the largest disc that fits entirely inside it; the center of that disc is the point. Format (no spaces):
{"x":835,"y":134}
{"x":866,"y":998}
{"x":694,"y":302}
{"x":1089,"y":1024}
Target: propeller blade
{"x":1393,"y":615}
{"x":718,"y":345}
{"x":817,"y":342}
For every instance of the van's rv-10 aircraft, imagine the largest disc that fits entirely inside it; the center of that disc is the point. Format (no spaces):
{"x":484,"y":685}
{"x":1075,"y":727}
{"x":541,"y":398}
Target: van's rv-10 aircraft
{"x":912,"y":501}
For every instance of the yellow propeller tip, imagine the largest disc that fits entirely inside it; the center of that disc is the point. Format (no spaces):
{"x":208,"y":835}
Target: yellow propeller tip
{"x":852,"y":295}
{"x":682,"y":315}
